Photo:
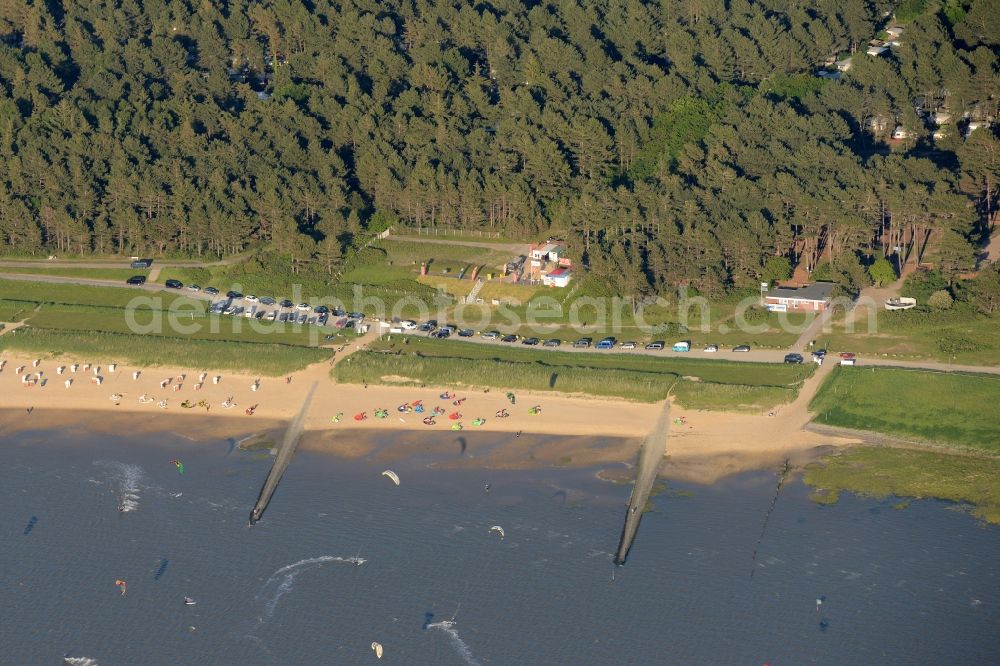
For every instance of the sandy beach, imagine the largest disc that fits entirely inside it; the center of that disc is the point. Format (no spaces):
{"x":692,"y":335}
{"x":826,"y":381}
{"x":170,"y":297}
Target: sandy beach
{"x":573,"y":430}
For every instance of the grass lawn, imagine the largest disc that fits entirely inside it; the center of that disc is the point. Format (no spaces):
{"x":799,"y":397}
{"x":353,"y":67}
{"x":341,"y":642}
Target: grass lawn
{"x":404,"y":253}
{"x":110,"y":273}
{"x":957,"y":336}
{"x":641,"y":378}
{"x":145,"y":350}
{"x":70,"y":294}
{"x":948,"y":408}
{"x":883,"y":472}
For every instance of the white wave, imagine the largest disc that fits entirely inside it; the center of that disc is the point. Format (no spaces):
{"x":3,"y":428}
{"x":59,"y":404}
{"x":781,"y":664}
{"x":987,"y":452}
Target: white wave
{"x":461,"y":647}
{"x":282,"y":581}
{"x":79,"y":661}
{"x":125,"y":480}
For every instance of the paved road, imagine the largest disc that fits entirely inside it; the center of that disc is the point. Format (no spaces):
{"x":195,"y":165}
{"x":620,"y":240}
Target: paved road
{"x":516,"y":248}
{"x":114,"y":263}
{"x":753,"y":356}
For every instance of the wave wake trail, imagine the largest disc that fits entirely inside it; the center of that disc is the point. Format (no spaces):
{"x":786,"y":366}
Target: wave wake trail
{"x":282,"y":581}
{"x":461,"y":647}
{"x":126,"y":482}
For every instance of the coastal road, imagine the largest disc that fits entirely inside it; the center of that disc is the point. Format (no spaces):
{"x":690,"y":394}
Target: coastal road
{"x":114,"y":263}
{"x":753,"y":356}
{"x":515,"y":248}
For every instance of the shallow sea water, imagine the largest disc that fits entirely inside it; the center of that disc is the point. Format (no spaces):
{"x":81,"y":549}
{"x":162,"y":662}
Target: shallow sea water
{"x":920,"y":585}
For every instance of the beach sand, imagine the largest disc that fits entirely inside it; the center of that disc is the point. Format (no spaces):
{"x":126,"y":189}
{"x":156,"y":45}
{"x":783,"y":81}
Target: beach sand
{"x":570,"y":430}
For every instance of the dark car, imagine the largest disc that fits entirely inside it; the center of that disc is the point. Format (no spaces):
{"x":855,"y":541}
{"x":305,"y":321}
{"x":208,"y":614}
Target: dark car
{"x":237,"y":311}
{"x":466,"y":333}
{"x":359,"y":316}
{"x":142,"y":263}
{"x":656,"y":346}
{"x":819,"y":353}
{"x":428,"y":326}
{"x":443,"y":333}
{"x":136,"y":279}
{"x":267,"y":300}
{"x":554,"y":342}
{"x":323,"y":318}
{"x":173,"y":284}
{"x":233,"y":294}
{"x":583,"y":342}
{"x":793,"y":358}
{"x":741,"y":348}
{"x":338,"y":312}
{"x":285,"y":303}
{"x":349,"y":323}
{"x":530,"y":341}
{"x":211,"y":291}
{"x":319,"y":309}
{"x":509,"y":338}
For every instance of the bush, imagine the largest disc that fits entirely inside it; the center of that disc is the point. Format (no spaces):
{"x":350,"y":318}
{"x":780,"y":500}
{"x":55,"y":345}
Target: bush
{"x":921,"y":284}
{"x":940,"y":300}
{"x":882,"y":272}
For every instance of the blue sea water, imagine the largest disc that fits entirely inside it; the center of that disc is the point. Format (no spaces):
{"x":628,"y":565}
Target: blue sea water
{"x":913,"y":586}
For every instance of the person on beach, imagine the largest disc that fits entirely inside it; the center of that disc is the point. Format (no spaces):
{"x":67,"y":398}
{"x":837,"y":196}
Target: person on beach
{"x":288,"y":379}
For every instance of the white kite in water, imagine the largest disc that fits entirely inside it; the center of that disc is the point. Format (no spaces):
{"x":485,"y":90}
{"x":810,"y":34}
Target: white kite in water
{"x":497,"y":528}
{"x":377,"y":647}
{"x":392,"y":475}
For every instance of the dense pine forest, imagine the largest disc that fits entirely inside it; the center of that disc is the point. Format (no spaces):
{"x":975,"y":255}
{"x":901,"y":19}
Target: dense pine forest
{"x":669,"y":141}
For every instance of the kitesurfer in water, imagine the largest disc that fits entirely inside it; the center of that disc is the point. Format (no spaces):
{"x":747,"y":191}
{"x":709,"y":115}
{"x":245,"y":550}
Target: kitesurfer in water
{"x":486,"y":487}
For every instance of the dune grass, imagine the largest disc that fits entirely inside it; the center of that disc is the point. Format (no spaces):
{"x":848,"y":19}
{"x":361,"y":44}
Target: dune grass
{"x":410,"y":360}
{"x":884,"y":472}
{"x":958,"y":409}
{"x":713,"y":396}
{"x":71,"y":294}
{"x":408,"y":369}
{"x":144,"y":350}
{"x":707,"y":370}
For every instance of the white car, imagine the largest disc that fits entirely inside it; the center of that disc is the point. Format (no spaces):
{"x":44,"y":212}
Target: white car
{"x":304,"y":307}
{"x":193,"y":287}
{"x":408,"y":325}
{"x":709,"y":349}
{"x":628,"y":345}
{"x":250,"y":299}
{"x":272,"y":315}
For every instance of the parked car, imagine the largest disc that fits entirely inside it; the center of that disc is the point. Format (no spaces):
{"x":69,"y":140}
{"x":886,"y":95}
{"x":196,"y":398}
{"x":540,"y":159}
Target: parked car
{"x":251,"y":298}
{"x":142,"y":263}
{"x":321,"y":309}
{"x":466,"y":333}
{"x":628,"y":345}
{"x":682,"y":346}
{"x":234,"y":294}
{"x":656,"y":346}
{"x":552,"y":342}
{"x":173,"y":284}
{"x":606,"y":343}
{"x":259,"y":314}
{"x":323,"y":318}
{"x":237,"y":311}
{"x":302,"y":318}
{"x":340,"y":323}
{"x":359,"y":316}
{"x":428,"y":326}
{"x":583,"y":342}
{"x":491,"y":335}
{"x":530,"y":341}
{"x":442,"y":333}
{"x":193,"y":287}
{"x":267,"y":300}
{"x":338,"y":312}
{"x":303,"y":307}
{"x":350,"y":323}
{"x":211,"y":291}
{"x":509,"y":338}
{"x":711,"y":349}
{"x":741,"y":348}
{"x":272,"y":315}
{"x":793,"y":358}
{"x":407,"y":324}
{"x":136,"y":279}
{"x":820,"y":353}
{"x":285,"y":303}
